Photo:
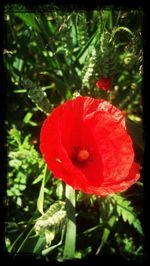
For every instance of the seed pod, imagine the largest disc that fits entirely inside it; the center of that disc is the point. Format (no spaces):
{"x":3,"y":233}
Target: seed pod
{"x":52,"y":221}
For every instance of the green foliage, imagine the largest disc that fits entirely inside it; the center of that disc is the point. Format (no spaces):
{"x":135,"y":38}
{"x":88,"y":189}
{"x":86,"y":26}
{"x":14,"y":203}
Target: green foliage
{"x":23,"y":160}
{"x":128,"y":247}
{"x":106,"y":233}
{"x":50,"y":57}
{"x":126,"y":211}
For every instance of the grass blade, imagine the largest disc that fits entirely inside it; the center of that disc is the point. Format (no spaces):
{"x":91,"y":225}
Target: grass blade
{"x":40,"y":200}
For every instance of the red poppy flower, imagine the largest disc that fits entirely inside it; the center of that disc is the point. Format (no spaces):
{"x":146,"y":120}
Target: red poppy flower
{"x":85,"y":143}
{"x":104,"y":84}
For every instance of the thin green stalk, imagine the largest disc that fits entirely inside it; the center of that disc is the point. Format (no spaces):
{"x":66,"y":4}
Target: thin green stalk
{"x":70,"y":241}
{"x":29,"y":222}
{"x":22,"y":244}
{"x":46,"y":178}
{"x":106,"y":233}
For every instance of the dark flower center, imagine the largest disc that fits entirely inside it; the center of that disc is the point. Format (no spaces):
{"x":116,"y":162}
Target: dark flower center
{"x":83,"y":155}
{"x":80,"y":156}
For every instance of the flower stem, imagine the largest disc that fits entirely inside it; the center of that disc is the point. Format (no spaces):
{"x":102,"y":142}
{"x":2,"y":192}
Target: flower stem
{"x":70,"y":241}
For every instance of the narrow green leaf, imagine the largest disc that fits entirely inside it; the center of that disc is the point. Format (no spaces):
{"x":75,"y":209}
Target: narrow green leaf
{"x":38,"y":179}
{"x":19,"y":91}
{"x":40,"y":244}
{"x":139,"y":183}
{"x":91,"y":229}
{"x":73,"y":33}
{"x":24,"y":234}
{"x":106,"y":233}
{"x":70,"y":241}
{"x":40,"y":200}
{"x":28,"y":19}
{"x":25,"y":240}
{"x":48,"y":250}
{"x":27,"y":117}
{"x":87,"y":48}
{"x":107,"y":18}
{"x":51,"y":27}
{"x":32,"y":123}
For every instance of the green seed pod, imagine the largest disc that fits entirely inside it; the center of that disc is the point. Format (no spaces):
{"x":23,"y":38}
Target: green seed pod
{"x":52,"y":221}
{"x":37,"y":96}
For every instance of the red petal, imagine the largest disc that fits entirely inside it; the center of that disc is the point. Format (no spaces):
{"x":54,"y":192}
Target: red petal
{"x":104,"y":84}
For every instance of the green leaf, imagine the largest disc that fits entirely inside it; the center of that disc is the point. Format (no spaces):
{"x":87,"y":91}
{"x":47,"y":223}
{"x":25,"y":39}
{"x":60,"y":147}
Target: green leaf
{"x":32,"y":123}
{"x":87,"y":48}
{"x":139,"y":183}
{"x":38,"y":179}
{"x":107,"y":18}
{"x":126,"y":211}
{"x":88,"y":231}
{"x":29,"y":19}
{"x":40,"y":200}
{"x":27,"y":117}
{"x":73,"y":33}
{"x":39,"y":245}
{"x":70,"y":241}
{"x":106,"y":233}
{"x":18,"y":64}
{"x":21,"y":247}
{"x":19,"y":91}
{"x":51,"y":27}
{"x":59,"y":190}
